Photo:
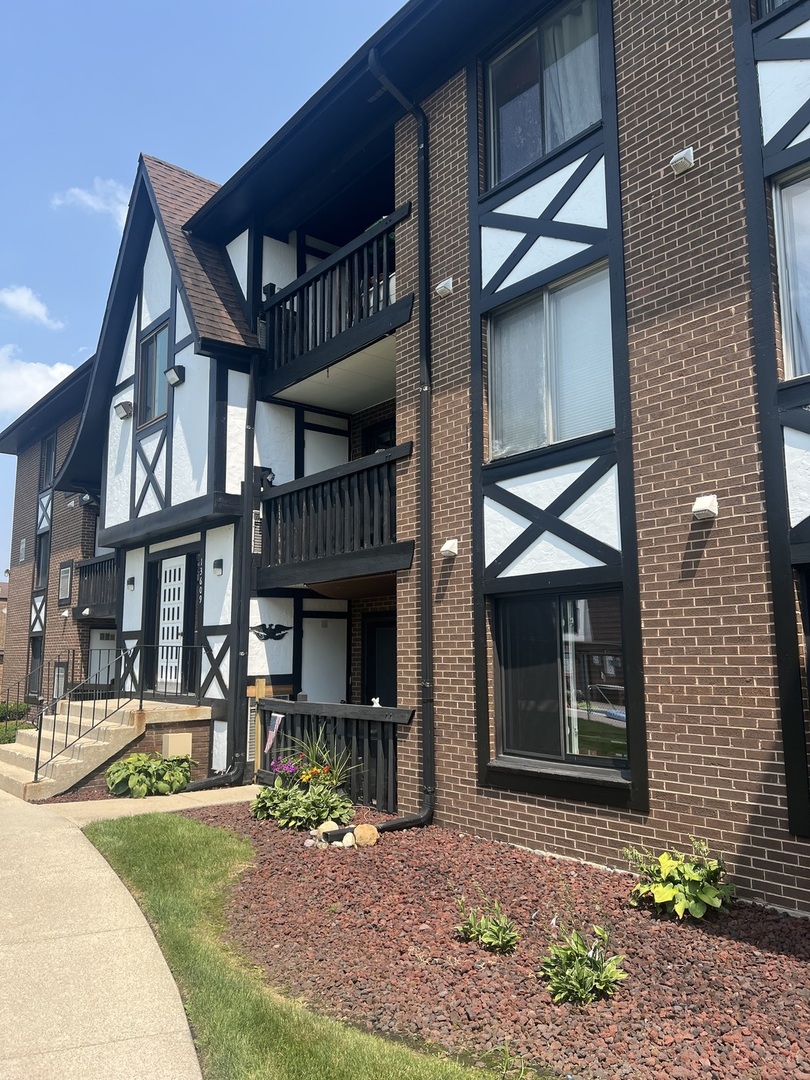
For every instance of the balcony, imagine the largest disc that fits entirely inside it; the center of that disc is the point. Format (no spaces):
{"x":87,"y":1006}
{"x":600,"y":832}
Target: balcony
{"x":336,"y":310}
{"x":335,"y":524}
{"x":98,"y":581}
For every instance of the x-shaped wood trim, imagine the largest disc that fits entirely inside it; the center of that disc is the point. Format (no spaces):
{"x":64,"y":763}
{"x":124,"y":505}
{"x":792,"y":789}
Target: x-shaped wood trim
{"x":38,"y":614}
{"x":129,"y":657}
{"x":215,"y":662}
{"x":548,"y":520}
{"x":150,"y":479}
{"x":44,"y":510}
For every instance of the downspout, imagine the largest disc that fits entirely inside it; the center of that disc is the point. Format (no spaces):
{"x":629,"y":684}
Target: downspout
{"x":425,"y":813}
{"x":234,"y":774}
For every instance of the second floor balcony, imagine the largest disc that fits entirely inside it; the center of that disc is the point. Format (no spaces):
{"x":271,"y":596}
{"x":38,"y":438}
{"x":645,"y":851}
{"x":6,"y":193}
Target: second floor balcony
{"x":98,"y":582}
{"x":336,"y":524}
{"x":339,"y":308}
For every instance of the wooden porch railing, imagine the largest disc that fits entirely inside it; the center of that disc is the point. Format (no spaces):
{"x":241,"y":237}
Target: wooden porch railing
{"x":97,"y":581}
{"x":341,"y":292}
{"x":369,"y":734}
{"x":343,"y":510}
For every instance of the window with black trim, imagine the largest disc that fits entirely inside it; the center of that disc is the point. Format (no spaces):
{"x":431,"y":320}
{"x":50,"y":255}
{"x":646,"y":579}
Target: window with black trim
{"x":65,"y":582}
{"x":153,"y":390}
{"x":544,"y":89}
{"x":767,"y":6}
{"x":551,"y":366}
{"x":37,"y":648}
{"x":559,"y":663}
{"x":42,"y":560}
{"x":47,"y":462}
{"x":792,"y":209}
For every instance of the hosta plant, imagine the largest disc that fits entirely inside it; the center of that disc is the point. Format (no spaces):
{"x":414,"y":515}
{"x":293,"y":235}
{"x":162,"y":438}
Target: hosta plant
{"x":140,"y":775}
{"x":487,"y":925}
{"x":678,"y":884}
{"x":302,"y":807}
{"x":580,"y":972}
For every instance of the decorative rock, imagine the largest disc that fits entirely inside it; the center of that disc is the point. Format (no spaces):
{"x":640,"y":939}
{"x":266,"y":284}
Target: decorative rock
{"x":309,"y":842}
{"x":366,"y":835}
{"x":328,"y":826}
{"x":348,"y":840}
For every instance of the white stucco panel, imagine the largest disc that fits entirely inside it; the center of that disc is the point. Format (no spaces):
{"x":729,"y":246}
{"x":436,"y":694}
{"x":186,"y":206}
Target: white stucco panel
{"x":214,"y":690}
{"x":797,"y":468}
{"x":279,"y":263}
{"x":549,"y":554}
{"x":546,"y":251}
{"x":176,"y":541}
{"x":501,"y":527}
{"x":219,"y":746}
{"x":126,"y":369}
{"x":238,"y":254}
{"x":784,"y":85}
{"x":324,"y":451}
{"x":542,"y":488}
{"x":182,"y":326}
{"x":496,"y":247}
{"x":157,"y":280}
{"x":323,"y":659}
{"x":275,"y":440}
{"x":218,"y":588}
{"x":271,"y":657}
{"x":588,"y":205}
{"x":533,"y":201}
{"x":190,"y":430}
{"x":235,"y":438}
{"x":151,"y":503}
{"x":118,"y":479}
{"x":596,"y":513}
{"x":134,"y":563}
{"x":800,"y":31}
{"x":803,"y":135}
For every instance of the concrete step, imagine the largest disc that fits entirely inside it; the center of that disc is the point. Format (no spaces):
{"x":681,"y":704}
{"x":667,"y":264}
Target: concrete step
{"x":14,"y":780}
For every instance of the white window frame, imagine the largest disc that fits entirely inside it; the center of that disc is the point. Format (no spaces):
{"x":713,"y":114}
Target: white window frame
{"x":786,"y":292}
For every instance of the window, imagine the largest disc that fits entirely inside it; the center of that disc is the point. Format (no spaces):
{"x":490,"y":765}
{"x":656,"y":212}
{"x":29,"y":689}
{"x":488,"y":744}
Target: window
{"x":65,"y":582}
{"x":152,"y":386}
{"x":793,"y":246}
{"x":47,"y":462}
{"x":43,"y":555}
{"x":560,"y":679}
{"x":551,"y":366}
{"x":35,"y":666}
{"x":767,"y":6}
{"x":544,"y":89}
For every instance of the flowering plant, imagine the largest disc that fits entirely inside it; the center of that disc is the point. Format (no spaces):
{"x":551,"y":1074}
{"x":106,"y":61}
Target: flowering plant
{"x":287,"y":769}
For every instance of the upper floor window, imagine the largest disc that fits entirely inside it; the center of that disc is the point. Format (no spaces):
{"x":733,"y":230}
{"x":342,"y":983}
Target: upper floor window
{"x":767,"y":6}
{"x":153,"y":389}
{"x":47,"y":462}
{"x":793,"y":245}
{"x":544,"y":89}
{"x":551,"y":366}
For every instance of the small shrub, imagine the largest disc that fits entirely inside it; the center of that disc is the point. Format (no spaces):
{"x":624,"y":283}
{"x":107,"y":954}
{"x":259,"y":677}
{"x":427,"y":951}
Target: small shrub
{"x":302,"y":807}
{"x":487,"y":925}
{"x":321,"y":762}
{"x":674,"y":883}
{"x":140,"y":775}
{"x":14,"y":710}
{"x":8,"y":732}
{"x":580,"y":973}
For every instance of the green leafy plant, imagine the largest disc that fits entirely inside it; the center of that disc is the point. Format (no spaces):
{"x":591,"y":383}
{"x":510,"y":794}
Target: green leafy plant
{"x":8,"y":731}
{"x":302,"y":807}
{"x":14,"y":710}
{"x":321,"y":762}
{"x":678,"y":884}
{"x":140,"y":775}
{"x":579,"y":972}
{"x":487,"y":925}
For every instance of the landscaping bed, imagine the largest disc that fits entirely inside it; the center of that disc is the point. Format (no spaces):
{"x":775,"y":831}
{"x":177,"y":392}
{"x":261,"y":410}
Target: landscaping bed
{"x":367,"y":936}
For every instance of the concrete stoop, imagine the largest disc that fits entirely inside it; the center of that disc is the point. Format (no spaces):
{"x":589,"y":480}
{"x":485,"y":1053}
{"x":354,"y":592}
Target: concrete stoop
{"x":105,"y":741}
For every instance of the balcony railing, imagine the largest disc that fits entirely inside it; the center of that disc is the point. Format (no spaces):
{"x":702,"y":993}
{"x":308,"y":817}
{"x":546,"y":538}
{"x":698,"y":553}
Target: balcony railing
{"x":98,"y":580}
{"x":340,"y":512}
{"x":350,"y":296}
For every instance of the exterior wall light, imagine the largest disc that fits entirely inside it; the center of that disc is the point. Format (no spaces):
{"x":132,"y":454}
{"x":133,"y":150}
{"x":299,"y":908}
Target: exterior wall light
{"x":66,"y":613}
{"x":705,"y":508}
{"x":218,"y":567}
{"x":86,"y":611}
{"x":683,"y":161}
{"x":175,"y":375}
{"x":123,"y":409}
{"x":449,"y":549}
{"x":445,"y":288}
{"x":131,"y":584}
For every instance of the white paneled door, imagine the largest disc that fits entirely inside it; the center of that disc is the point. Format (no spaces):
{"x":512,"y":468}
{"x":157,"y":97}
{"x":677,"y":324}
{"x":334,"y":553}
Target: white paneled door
{"x":170,"y":624}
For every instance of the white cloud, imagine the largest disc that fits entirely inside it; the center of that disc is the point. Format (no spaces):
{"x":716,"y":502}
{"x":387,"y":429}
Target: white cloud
{"x":22,"y":302}
{"x":106,"y":197}
{"x":25,"y":382}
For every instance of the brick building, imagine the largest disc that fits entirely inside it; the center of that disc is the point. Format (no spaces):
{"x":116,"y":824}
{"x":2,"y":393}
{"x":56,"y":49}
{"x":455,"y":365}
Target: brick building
{"x":502,"y":343}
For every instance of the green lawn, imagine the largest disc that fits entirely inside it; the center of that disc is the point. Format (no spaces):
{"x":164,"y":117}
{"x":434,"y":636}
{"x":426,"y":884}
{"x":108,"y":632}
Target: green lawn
{"x":180,"y":870}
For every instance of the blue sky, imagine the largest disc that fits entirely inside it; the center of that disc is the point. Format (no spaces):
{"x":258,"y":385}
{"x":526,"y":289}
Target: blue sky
{"x":85,"y":88}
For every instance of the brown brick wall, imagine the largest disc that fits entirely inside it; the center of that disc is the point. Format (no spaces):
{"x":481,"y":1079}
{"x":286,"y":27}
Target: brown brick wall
{"x":368,"y":418}
{"x":713,"y":723}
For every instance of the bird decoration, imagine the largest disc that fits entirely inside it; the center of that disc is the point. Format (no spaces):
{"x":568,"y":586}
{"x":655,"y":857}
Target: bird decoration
{"x":270,"y":631}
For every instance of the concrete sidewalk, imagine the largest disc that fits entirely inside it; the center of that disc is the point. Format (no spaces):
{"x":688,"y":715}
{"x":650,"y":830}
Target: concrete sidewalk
{"x":84,"y":990}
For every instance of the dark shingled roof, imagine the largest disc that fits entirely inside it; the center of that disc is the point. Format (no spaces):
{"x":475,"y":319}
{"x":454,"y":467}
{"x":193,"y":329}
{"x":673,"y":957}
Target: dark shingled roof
{"x":215,"y":307}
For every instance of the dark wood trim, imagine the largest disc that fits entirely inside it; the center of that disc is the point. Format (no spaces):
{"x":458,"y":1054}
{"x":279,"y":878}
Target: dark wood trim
{"x":383,"y":560}
{"x":188,"y":515}
{"x":396,"y":453}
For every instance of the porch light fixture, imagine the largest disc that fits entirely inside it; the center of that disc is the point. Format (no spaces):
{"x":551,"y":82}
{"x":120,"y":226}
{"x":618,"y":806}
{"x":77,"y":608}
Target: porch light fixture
{"x":123,"y":409}
{"x":705,"y":508}
{"x":445,"y":288}
{"x":683,"y":161}
{"x":175,"y":375}
{"x":449,"y":549}
{"x":131,"y":584}
{"x":218,"y":566}
{"x":66,"y":613}
{"x":86,"y":611}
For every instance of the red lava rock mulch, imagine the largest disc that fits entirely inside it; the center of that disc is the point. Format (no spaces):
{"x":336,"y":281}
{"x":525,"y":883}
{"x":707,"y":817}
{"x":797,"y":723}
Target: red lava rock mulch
{"x":367,"y":936}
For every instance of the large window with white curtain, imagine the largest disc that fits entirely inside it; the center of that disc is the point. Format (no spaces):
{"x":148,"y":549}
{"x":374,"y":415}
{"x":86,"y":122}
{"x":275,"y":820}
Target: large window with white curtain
{"x":544,"y":89}
{"x":551,"y":366}
{"x":793,"y":247}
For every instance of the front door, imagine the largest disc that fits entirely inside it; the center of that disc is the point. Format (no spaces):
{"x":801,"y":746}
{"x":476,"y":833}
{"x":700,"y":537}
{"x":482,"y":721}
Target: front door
{"x":380,"y":659}
{"x":171,"y":609}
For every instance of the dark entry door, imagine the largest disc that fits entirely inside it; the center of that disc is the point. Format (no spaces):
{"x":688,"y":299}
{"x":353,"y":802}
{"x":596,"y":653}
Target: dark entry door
{"x":380,"y":659}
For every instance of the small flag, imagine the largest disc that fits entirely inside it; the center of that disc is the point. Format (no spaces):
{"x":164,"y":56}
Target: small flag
{"x":272,"y":729}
